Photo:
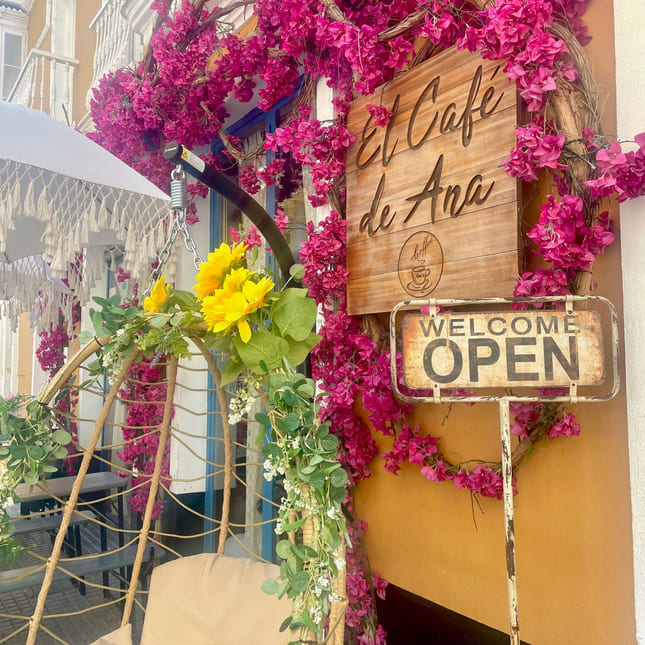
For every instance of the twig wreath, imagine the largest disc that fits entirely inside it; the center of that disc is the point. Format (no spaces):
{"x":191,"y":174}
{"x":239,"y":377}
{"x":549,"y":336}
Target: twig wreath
{"x":195,"y":64}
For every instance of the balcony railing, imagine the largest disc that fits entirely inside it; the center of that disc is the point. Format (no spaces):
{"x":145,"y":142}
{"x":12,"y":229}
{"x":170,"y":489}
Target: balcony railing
{"x":123,"y":28}
{"x":113,"y":40}
{"x":45,"y":83}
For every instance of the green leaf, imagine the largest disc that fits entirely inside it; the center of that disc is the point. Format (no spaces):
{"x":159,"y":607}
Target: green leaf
{"x":97,"y":322}
{"x":262,"y":418}
{"x":306,"y":390}
{"x":48,"y":468}
{"x":158,"y":321}
{"x":289,"y":423}
{"x":185,"y":300}
{"x":283,"y":549}
{"x":60,"y":452}
{"x":276,"y":380}
{"x":322,"y":431}
{"x":36,"y":453}
{"x":231,"y":370}
{"x":297,"y":271}
{"x":61,"y":436}
{"x":85,"y":337}
{"x":102,"y":302}
{"x":307,"y":620}
{"x":298,"y":551}
{"x":31,"y":478}
{"x":295,"y":317}
{"x":262,"y":346}
{"x":300,"y":581}
{"x":270,"y":586}
{"x":294,"y":526}
{"x":317,"y":480}
{"x":329,"y":443}
{"x":300,"y":350}
{"x":285,"y":624}
{"x":338,"y":478}
{"x":271,"y":451}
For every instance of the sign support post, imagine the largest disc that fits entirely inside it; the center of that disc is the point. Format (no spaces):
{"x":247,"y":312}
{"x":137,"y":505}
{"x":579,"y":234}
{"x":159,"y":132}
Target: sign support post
{"x":557,"y":349}
{"x":509,"y":521}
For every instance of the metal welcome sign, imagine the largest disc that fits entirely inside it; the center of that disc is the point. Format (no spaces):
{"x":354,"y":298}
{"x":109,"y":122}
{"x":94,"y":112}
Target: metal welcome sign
{"x":486,"y":346}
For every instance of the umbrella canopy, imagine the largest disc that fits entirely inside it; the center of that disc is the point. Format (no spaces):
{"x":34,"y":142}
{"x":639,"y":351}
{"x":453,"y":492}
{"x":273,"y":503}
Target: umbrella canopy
{"x":61,"y":193}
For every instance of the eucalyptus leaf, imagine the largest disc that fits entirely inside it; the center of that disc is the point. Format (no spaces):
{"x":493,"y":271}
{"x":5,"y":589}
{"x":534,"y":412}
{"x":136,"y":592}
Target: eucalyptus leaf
{"x":270,"y":586}
{"x":61,"y":436}
{"x":338,"y":478}
{"x":289,"y":423}
{"x":31,"y":478}
{"x":329,"y":443}
{"x":282,"y":548}
{"x":300,"y":581}
{"x":297,"y":271}
{"x":262,"y":418}
{"x":317,"y":480}
{"x":271,"y":451}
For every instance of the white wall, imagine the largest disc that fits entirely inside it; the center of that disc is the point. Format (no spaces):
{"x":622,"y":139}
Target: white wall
{"x":630,"y":98}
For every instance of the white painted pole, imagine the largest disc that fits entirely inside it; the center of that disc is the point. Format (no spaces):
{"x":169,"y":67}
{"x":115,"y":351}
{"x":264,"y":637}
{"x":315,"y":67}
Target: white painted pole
{"x":509,"y":524}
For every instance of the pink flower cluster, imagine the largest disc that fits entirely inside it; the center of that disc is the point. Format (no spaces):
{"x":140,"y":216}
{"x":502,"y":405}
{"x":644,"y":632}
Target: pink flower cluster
{"x":621,"y":172}
{"x":563,"y":236}
{"x":320,"y":147}
{"x":518,"y":31}
{"x":145,"y":392}
{"x":535,"y":150}
{"x":51,"y":358}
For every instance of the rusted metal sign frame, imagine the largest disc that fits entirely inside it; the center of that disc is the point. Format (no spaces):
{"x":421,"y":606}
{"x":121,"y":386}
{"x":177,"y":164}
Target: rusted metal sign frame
{"x":571,"y":397}
{"x":504,"y":411}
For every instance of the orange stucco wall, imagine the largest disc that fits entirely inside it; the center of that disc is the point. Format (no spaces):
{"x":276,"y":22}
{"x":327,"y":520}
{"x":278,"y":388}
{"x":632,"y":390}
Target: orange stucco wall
{"x":85,"y":46}
{"x":25,"y":355}
{"x":572,"y":514}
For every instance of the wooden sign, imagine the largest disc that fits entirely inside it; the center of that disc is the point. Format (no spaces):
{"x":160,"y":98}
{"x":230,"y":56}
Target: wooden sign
{"x":430,"y":210}
{"x":503,"y":349}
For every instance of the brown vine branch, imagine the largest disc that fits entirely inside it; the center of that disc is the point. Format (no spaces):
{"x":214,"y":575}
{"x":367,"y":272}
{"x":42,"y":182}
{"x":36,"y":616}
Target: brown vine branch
{"x":191,"y":35}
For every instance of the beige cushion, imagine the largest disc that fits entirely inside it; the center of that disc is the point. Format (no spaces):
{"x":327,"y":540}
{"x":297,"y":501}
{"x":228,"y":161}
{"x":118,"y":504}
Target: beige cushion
{"x":122,"y":636}
{"x":212,"y":599}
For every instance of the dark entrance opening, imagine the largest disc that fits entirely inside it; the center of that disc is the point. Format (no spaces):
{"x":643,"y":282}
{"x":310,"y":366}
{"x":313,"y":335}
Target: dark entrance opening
{"x":412,"y":620}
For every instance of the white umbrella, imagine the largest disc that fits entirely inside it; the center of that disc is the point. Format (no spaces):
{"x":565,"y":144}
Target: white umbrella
{"x":61,"y":193}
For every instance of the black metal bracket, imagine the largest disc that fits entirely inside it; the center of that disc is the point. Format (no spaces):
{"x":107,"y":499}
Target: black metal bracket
{"x":220,"y":183}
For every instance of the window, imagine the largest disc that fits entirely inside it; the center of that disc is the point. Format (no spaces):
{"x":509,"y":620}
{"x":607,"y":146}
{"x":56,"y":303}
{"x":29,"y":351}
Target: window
{"x":11,"y":50}
{"x":13,"y":37}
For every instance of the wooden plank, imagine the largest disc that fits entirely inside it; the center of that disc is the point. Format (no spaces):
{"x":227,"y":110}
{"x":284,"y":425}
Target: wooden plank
{"x":503,"y":349}
{"x":62,"y":486}
{"x":425,"y":186}
{"x":461,"y":239}
{"x":471,"y":278}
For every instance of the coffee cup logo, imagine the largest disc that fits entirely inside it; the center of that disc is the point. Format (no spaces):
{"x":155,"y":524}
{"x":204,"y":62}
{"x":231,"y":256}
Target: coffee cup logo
{"x":420,"y":264}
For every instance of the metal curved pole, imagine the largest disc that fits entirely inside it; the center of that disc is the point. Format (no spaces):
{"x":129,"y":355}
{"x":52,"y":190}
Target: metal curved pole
{"x":220,"y":183}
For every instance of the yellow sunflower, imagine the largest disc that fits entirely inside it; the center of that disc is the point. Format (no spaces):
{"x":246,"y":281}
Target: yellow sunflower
{"x":158,"y":296}
{"x":212,"y":272}
{"x":226,"y":309}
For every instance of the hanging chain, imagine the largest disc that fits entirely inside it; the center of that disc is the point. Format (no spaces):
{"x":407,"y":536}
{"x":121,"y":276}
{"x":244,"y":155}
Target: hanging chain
{"x":179,"y":225}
